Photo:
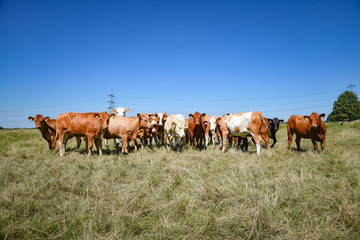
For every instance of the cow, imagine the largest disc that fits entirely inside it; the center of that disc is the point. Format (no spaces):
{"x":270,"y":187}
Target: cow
{"x":47,"y":128}
{"x":121,"y":112}
{"x":174,"y":129}
{"x":210,"y":122}
{"x":308,"y":127}
{"x":159,"y":135}
{"x":146,"y":135}
{"x":274,"y":127}
{"x":196,"y":129}
{"x":127,"y":128}
{"x":89,"y":125}
{"x":244,"y":124}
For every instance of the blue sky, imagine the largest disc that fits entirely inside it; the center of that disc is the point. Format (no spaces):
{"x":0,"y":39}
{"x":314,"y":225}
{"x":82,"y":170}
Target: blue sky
{"x":217,"y":57}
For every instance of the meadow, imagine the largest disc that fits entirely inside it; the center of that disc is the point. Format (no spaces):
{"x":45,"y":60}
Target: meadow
{"x":156,"y":194}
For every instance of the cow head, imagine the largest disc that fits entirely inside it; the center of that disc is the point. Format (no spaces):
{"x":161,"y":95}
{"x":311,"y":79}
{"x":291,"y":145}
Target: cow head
{"x":212,"y":123}
{"x":154,"y":120}
{"x":179,"y":128}
{"x":104,"y":118}
{"x":144,"y":120}
{"x":274,"y":123}
{"x":315,"y":119}
{"x":39,"y":120}
{"x":162,"y":118}
{"x":197,"y":118}
{"x":120,"y":111}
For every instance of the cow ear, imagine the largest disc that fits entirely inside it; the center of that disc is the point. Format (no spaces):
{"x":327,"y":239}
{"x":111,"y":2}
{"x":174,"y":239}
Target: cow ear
{"x":190,"y":115}
{"x":127,"y":110}
{"x":156,"y":115}
{"x":281,"y":120}
{"x":31,"y":119}
{"x":46,"y":119}
{"x":322,"y":115}
{"x":97,"y":116}
{"x":112,"y":115}
{"x":306,"y":117}
{"x":173,"y":123}
{"x":138,"y":115}
{"x":113,"y":110}
{"x":203,"y":115}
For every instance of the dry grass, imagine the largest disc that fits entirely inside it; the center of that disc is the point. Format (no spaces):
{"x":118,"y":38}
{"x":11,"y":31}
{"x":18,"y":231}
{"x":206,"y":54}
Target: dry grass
{"x":156,"y":194}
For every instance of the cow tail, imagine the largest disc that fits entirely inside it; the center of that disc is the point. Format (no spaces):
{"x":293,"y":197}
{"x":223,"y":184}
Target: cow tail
{"x":263,"y":122}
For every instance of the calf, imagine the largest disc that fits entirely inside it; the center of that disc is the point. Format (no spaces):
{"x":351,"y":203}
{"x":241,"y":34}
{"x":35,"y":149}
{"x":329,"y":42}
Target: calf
{"x":244,"y":124}
{"x":274,"y":127}
{"x":159,"y":135}
{"x":127,"y":128}
{"x":89,"y":125}
{"x":174,"y":129}
{"x":47,"y":128}
{"x":210,"y":122}
{"x":308,"y":127}
{"x":196,"y":129}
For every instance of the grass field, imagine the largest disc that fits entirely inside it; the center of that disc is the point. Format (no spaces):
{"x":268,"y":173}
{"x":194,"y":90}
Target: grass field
{"x":156,"y":194}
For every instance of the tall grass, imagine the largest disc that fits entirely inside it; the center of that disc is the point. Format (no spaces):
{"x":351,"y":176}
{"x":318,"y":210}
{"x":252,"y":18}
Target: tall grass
{"x":156,"y":194}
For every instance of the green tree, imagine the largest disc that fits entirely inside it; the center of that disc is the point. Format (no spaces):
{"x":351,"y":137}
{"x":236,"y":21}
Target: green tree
{"x":346,"y":108}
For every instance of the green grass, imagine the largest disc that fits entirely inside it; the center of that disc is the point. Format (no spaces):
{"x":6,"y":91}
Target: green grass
{"x":156,"y":194}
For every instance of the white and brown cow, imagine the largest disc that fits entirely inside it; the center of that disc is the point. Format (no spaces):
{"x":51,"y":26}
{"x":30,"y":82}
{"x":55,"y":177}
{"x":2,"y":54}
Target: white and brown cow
{"x":174,"y":129}
{"x":210,"y":122}
{"x":244,"y":124}
{"x":120,"y":112}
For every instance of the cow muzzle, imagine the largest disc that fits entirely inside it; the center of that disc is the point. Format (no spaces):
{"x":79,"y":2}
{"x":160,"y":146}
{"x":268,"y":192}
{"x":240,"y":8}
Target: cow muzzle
{"x":313,"y":125}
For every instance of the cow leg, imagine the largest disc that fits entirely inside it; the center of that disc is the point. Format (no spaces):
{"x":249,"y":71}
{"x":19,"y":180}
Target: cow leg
{"x":61,"y":144}
{"x":224,"y":138}
{"x":314,"y":144}
{"x":257,"y":143}
{"x":323,"y":143}
{"x":90,"y":141}
{"x":98,"y":143}
{"x":206,"y":139}
{"x":290,"y":138}
{"x":266,"y":139}
{"x":124,"y":148}
{"x":297,"y":140}
{"x":167,"y":140}
{"x":177,"y":143}
{"x":78,"y":142}
{"x":53,"y":142}
{"x":274,"y":138}
{"x":106,"y":143}
{"x":245,"y":145}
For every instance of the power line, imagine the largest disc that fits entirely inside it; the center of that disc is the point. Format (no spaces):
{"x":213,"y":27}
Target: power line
{"x":111,"y":102}
{"x":350,"y":87}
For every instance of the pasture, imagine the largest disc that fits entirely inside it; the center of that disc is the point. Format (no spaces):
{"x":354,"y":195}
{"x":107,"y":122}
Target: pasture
{"x":156,"y":194}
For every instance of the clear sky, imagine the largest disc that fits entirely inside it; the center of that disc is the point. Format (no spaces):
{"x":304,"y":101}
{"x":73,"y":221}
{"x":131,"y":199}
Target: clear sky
{"x":279,"y":57}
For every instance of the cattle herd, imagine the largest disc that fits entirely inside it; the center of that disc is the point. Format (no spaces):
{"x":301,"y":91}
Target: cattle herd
{"x":199,"y":130}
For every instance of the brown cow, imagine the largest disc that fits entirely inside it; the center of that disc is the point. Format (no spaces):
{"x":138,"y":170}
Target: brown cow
{"x":89,"y":125}
{"x":196,"y":129}
{"x":307,"y":127}
{"x":47,"y":128}
{"x":127,"y":128}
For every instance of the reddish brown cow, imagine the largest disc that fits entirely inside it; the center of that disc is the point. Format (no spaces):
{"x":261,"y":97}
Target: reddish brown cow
{"x":47,"y":128}
{"x":307,"y":127}
{"x":127,"y":128}
{"x":196,"y":129}
{"x":89,"y":125}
